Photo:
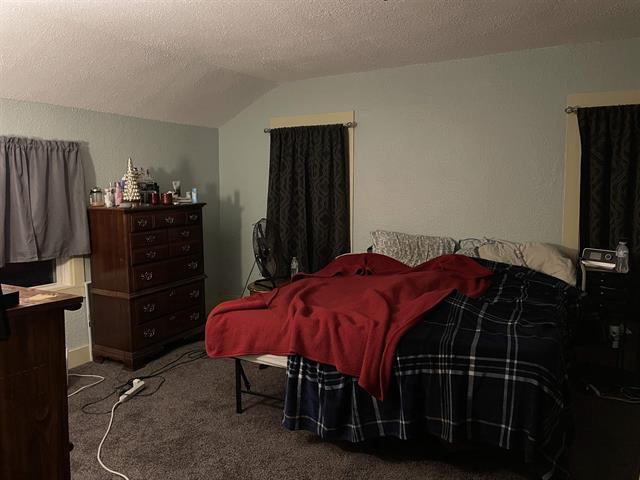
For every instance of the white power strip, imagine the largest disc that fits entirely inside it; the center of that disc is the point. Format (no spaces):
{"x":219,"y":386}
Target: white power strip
{"x":134,"y":390}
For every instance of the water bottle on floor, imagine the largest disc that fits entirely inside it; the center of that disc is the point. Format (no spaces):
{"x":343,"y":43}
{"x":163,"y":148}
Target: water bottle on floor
{"x":622,"y":258}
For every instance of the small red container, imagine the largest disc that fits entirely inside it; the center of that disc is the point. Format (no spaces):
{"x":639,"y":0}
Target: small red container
{"x":154,"y":198}
{"x":167,"y":198}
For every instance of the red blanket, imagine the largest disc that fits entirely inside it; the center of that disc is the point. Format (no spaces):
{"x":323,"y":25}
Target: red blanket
{"x":351,"y":314}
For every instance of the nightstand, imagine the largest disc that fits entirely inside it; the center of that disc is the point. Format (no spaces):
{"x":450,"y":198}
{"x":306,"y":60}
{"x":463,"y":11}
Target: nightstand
{"x":609,"y":311}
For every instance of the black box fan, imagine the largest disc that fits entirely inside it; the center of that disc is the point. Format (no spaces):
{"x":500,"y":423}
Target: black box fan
{"x":264,"y":251}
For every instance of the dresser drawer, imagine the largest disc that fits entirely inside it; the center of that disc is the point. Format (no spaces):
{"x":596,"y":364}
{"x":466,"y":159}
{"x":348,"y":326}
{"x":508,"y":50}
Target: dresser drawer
{"x":147,"y":239}
{"x":185,"y":267}
{"x":145,"y":276}
{"x":141,"y":221}
{"x":185,"y":248}
{"x":149,"y":254}
{"x":169,"y":219}
{"x":185,"y":319}
{"x":151,"y":306}
{"x":150,"y":332}
{"x":184,"y":234}
{"x":607,"y":279}
{"x":193,"y":217}
{"x":607,"y":294}
{"x":167,"y":301}
{"x":187,"y":296}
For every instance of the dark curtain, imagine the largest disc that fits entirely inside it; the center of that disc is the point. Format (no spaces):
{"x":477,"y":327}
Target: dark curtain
{"x":610,"y":178}
{"x":42,"y":201}
{"x":308,"y":200}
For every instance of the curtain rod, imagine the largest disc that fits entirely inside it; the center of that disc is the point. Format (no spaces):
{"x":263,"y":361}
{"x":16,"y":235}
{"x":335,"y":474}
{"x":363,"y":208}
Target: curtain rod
{"x":348,"y":125}
{"x":575,"y":108}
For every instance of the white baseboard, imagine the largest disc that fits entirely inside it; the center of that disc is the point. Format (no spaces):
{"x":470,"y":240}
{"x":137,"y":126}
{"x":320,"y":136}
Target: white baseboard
{"x":78,"y":356}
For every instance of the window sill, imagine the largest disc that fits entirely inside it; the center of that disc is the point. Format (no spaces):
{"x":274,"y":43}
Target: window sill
{"x":70,"y":273}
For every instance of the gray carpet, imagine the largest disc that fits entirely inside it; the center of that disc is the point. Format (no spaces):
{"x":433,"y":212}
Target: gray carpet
{"x":189,"y":430}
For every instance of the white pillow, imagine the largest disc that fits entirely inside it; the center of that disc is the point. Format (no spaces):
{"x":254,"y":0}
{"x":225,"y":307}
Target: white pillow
{"x":548,"y":259}
{"x":541,"y":257}
{"x":409,"y":249}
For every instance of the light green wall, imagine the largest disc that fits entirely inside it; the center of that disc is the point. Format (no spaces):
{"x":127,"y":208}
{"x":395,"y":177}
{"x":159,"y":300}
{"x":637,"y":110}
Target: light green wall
{"x":170,"y":151}
{"x":463,"y":148}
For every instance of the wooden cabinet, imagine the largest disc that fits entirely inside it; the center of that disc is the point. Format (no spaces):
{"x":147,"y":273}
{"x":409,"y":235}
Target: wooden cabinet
{"x":34,"y":431}
{"x":147,"y":287}
{"x":610,"y":303}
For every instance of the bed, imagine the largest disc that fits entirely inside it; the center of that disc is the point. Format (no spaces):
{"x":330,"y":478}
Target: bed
{"x":491,"y":369}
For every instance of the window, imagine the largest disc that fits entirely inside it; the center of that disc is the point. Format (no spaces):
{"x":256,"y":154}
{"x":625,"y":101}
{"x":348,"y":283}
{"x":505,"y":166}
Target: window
{"x":326,"y":119}
{"x":29,"y":274}
{"x":571,"y":200}
{"x":62,"y":275}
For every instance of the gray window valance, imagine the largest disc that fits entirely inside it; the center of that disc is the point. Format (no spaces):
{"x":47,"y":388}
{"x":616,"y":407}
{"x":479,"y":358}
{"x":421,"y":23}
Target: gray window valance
{"x":42,"y":201}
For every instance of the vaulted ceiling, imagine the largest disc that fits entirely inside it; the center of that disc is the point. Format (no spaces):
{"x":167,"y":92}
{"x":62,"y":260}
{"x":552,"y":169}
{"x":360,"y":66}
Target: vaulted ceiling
{"x":201,"y":62}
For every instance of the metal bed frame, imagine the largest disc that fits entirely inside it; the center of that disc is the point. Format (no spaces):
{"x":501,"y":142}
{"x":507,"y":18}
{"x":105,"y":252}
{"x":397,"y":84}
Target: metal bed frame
{"x":263,"y":361}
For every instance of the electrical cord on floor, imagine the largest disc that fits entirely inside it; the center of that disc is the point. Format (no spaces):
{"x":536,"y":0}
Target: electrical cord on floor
{"x":191,"y":356}
{"x":104,"y":437}
{"x":100,"y":377}
{"x":246,"y":283}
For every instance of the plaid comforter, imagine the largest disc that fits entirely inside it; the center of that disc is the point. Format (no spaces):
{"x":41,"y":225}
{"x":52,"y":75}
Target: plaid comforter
{"x":491,"y":369}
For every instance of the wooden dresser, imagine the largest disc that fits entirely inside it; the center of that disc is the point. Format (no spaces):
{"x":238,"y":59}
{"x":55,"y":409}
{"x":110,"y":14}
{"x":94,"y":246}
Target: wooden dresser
{"x":147,"y":281}
{"x":34,"y":429}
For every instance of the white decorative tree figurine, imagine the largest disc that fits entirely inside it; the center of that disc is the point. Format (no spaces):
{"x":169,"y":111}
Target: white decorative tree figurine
{"x":131,"y":192}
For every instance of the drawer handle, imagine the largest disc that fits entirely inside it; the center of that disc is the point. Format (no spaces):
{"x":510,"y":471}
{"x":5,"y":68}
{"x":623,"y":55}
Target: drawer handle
{"x":192,"y":265}
{"x":149,"y":308}
{"x":146,"y":276}
{"x":186,"y":247}
{"x":169,"y":220}
{"x":151,"y":254}
{"x":185,"y":233}
{"x":194,"y":294}
{"x":150,"y":238}
{"x":142,"y":222}
{"x":149,"y":332}
{"x":193,"y":217}
{"x":194,"y":316}
{"x":172,"y":318}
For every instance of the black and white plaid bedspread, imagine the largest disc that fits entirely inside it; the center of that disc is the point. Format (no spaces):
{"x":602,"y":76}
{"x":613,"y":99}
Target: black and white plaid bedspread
{"x":491,"y":369}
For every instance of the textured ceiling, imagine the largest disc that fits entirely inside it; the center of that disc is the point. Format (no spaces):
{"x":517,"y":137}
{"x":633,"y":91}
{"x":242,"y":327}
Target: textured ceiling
{"x":201,"y":62}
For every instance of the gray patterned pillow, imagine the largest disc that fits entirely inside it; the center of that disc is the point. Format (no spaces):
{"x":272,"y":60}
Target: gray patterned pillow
{"x":469,"y":247}
{"x":409,"y":249}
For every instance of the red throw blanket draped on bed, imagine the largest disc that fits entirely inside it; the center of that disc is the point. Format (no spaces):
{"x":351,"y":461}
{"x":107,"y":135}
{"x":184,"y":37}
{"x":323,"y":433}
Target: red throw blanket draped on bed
{"x":351,"y":314}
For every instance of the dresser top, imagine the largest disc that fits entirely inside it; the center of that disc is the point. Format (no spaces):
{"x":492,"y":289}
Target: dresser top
{"x":33,"y":301}
{"x":147,"y":208}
